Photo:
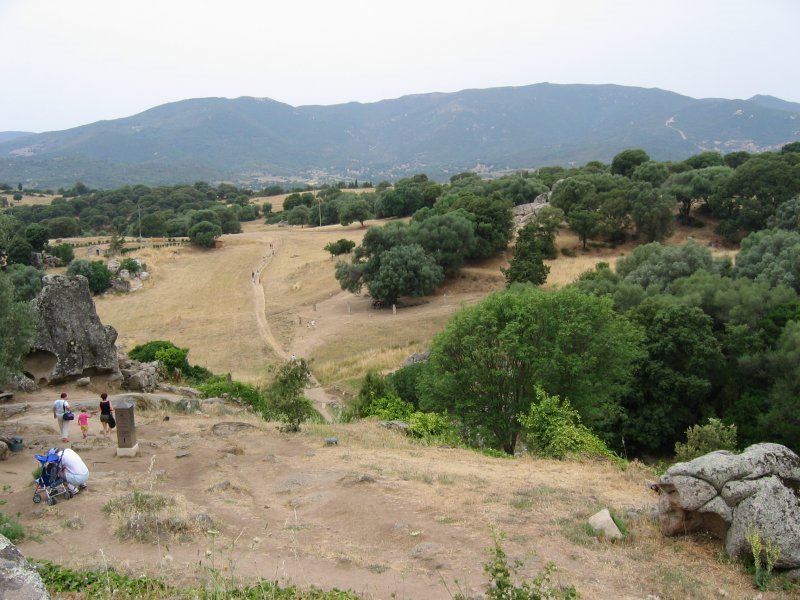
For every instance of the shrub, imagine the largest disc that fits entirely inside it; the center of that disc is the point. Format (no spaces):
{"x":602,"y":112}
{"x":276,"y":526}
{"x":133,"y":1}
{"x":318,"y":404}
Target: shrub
{"x":388,"y":408}
{"x":553,"y":429}
{"x":147,"y":352}
{"x":130,"y":265}
{"x":96,"y":272}
{"x":503,"y":587}
{"x":220,"y":386}
{"x":11,"y":528}
{"x":285,"y":394}
{"x":27,"y":281}
{"x":432,"y":428}
{"x":174,"y":359}
{"x":63,"y":252}
{"x":702,"y":439}
{"x":405,"y":380}
{"x":341,"y":246}
{"x":373,"y":386}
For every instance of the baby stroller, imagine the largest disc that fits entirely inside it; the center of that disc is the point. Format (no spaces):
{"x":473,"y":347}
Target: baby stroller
{"x":50,"y":484}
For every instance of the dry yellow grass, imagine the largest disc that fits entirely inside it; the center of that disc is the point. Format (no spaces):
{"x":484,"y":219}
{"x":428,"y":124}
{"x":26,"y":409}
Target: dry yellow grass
{"x":28,"y":199}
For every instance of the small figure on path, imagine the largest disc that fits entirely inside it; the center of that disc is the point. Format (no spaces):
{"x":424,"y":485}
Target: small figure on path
{"x":60,"y":407}
{"x":83,"y":421}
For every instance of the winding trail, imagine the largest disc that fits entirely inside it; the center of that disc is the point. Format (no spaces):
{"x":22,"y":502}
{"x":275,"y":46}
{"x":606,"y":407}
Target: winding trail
{"x":670,"y":123}
{"x":313,"y":390}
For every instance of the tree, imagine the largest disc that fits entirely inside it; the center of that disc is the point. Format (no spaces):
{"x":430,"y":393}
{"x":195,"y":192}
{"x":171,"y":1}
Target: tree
{"x":771,"y":255}
{"x":20,"y":252}
{"x":657,"y":265}
{"x":781,"y":418}
{"x":17,"y":329}
{"x":27,"y":281}
{"x":584,"y":223}
{"x":96,"y":272}
{"x":652,"y":212}
{"x":299,"y":215}
{"x":341,"y":246}
{"x":353,"y":210}
{"x":652,"y":172}
{"x":204,"y":234}
{"x":675,"y":379}
{"x":527,"y":264}
{"x":153,"y":225}
{"x":63,"y":227}
{"x":285,"y":394}
{"x":63,"y":252}
{"x":494,"y":223}
{"x":573,"y":193}
{"x":787,"y":216}
{"x":447,"y":238}
{"x":485,"y":366}
{"x":626,"y":161}
{"x":37,"y":236}
{"x":404,"y":271}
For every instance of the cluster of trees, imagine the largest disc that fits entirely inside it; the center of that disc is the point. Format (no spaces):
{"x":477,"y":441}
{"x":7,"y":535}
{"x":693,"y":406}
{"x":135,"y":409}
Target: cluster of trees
{"x":413,"y":259}
{"x":668,"y":340}
{"x":167,"y":211}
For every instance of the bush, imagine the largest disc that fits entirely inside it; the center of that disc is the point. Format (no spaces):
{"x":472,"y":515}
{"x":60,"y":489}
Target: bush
{"x":63,"y":252}
{"x":373,"y":387}
{"x":219,"y":386}
{"x":432,"y":428}
{"x":285,"y":395}
{"x":96,"y":272}
{"x":405,"y":380}
{"x":174,"y":359}
{"x":147,"y":352}
{"x":553,"y":429}
{"x":27,"y":281}
{"x":388,"y":408}
{"x":204,"y":234}
{"x":130,"y":265}
{"x":341,"y":246}
{"x":702,"y":439}
{"x":11,"y":528}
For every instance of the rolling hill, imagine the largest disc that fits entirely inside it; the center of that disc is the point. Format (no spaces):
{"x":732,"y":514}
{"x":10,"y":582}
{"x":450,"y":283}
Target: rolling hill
{"x":257,"y":140}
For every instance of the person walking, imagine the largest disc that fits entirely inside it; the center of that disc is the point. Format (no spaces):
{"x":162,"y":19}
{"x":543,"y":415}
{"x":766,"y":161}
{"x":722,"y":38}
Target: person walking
{"x":83,"y":421}
{"x":106,"y":411}
{"x":61,"y":406}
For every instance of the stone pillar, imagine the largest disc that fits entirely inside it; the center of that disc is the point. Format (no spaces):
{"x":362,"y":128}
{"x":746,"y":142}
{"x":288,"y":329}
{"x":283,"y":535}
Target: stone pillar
{"x":126,"y":429}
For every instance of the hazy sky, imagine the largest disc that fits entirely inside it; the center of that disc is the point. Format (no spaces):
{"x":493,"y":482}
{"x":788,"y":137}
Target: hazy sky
{"x":66,"y":63}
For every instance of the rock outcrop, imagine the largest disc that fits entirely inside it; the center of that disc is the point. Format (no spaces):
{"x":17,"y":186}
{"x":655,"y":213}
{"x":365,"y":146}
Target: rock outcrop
{"x":727,"y":494}
{"x":138,"y":376}
{"x":71,"y":341}
{"x":18,"y":579}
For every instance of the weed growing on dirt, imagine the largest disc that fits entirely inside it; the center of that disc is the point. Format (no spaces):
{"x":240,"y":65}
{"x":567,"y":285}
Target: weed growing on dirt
{"x":765,"y":555}
{"x":11,"y":528}
{"x":107,"y":584}
{"x":503,"y":587}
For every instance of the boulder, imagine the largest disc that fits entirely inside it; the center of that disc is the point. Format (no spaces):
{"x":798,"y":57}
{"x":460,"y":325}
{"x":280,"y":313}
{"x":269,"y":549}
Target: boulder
{"x":138,"y":376}
{"x":83,"y":381}
{"x":12,"y":410}
{"x":727,"y":494}
{"x":70,"y":340}
{"x":601,"y":522}
{"x":3,"y":451}
{"x":18,"y":579}
{"x":22,"y":384}
{"x":416,"y":358}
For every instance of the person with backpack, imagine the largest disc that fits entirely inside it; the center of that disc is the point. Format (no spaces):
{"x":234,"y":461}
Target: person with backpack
{"x":60,"y":409}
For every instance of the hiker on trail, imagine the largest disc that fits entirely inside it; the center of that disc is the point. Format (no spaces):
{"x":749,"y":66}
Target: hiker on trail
{"x":61,"y":406}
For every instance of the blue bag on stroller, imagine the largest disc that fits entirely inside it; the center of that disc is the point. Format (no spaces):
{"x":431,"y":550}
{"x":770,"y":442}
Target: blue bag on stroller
{"x":50,"y":484}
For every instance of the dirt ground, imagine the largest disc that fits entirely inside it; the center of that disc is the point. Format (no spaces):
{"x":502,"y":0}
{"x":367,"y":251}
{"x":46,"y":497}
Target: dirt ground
{"x":376,"y":513}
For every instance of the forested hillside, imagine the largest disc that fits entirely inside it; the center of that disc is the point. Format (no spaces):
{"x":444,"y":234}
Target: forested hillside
{"x":256,"y":140}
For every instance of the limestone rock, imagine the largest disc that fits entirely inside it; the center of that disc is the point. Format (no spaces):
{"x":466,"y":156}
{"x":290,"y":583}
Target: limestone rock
{"x":726,"y":493}
{"x":3,"y":451}
{"x":417,"y":357}
{"x":18,"y":579}
{"x":83,"y":381}
{"x":22,"y":383}
{"x":70,"y":338}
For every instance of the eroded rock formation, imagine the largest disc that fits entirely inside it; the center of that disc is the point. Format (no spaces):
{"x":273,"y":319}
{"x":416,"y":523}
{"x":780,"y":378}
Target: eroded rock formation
{"x":726,"y":494}
{"x":70,"y":341}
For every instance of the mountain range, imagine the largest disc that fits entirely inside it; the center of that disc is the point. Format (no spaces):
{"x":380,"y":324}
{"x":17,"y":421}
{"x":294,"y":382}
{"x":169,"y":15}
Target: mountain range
{"x":253,"y":141}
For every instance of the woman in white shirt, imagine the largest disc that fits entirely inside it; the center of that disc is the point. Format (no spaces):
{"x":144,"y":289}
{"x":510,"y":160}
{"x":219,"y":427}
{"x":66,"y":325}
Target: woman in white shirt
{"x":73,"y":469}
{"x":61,"y":406}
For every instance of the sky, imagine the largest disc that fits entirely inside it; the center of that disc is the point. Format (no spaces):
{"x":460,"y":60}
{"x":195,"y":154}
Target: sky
{"x":66,"y":63}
